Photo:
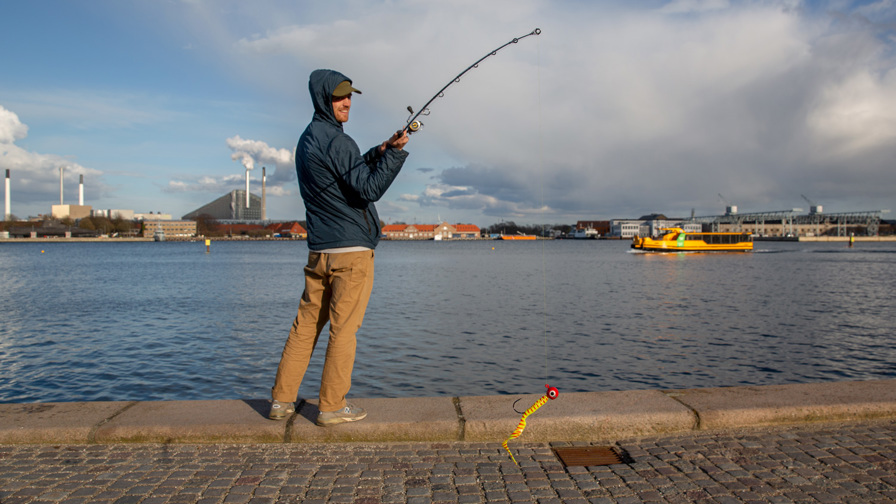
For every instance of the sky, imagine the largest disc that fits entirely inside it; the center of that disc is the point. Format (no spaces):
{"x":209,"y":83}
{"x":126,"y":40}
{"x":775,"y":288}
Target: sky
{"x":616,"y":110}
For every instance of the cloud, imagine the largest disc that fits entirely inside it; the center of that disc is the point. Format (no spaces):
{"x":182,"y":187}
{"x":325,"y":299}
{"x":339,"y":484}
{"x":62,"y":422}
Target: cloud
{"x":249,"y":153}
{"x":222,"y":185}
{"x":617,"y":109}
{"x":252,"y":152}
{"x":693,"y":6}
{"x":11,"y":129}
{"x":35,"y":176}
{"x":648,"y":112}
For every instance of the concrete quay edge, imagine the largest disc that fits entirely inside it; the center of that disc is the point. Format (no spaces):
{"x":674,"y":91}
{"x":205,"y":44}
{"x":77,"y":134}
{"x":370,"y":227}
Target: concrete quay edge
{"x":579,"y":416}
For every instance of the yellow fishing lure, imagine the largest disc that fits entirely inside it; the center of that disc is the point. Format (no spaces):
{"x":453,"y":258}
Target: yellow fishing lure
{"x":552,"y":393}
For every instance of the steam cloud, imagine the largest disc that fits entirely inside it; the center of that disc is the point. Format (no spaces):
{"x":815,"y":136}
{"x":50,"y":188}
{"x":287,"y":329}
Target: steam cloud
{"x":250,"y":152}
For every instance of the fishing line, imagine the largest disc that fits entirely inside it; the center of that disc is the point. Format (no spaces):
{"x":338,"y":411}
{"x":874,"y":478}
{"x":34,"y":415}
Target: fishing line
{"x":540,"y":143}
{"x":551,"y":392}
{"x":414,"y":125}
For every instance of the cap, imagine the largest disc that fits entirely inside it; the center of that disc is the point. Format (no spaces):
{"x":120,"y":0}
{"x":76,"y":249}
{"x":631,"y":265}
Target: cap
{"x":344,"y":89}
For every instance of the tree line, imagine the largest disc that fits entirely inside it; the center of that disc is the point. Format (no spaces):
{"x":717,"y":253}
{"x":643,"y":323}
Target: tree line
{"x":512,"y":228}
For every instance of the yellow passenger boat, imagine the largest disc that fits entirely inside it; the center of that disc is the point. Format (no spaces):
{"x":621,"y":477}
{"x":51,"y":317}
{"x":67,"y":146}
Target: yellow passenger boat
{"x":677,"y":240}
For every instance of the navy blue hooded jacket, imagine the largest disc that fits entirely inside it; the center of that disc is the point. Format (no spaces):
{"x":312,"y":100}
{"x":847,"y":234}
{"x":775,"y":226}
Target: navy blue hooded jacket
{"x":338,"y":184}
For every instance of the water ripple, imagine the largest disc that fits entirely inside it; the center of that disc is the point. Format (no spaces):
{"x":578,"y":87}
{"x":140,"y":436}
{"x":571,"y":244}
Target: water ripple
{"x":158,"y":321}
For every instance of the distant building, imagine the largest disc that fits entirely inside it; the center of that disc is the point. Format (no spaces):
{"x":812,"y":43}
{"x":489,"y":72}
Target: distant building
{"x":70,"y":211}
{"x":288,"y":229}
{"x":111,"y":213}
{"x":627,"y":228}
{"x":430,"y":231}
{"x":231,"y":206}
{"x":238,"y":229}
{"x":622,"y":228}
{"x":152,"y":216}
{"x":170,"y":228}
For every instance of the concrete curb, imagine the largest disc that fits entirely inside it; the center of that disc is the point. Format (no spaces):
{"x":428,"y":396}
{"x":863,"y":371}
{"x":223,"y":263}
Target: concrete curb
{"x":584,"y":416}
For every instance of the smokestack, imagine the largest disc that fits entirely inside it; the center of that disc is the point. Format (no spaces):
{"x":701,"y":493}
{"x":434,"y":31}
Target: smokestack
{"x":264,"y":207}
{"x":81,"y":191}
{"x":60,"y":185}
{"x":247,"y":188}
{"x":8,"y":209}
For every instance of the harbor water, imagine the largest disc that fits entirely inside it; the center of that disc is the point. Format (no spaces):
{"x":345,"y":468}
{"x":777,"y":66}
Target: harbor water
{"x":168,"y":321}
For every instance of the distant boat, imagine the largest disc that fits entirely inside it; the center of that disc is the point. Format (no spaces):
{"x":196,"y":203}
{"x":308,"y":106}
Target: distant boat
{"x":516,"y":237}
{"x":586,"y":234}
{"x":677,"y":240}
{"x":159,"y":235}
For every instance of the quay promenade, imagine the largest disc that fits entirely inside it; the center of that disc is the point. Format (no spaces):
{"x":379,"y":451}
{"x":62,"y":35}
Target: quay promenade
{"x":822,"y":442}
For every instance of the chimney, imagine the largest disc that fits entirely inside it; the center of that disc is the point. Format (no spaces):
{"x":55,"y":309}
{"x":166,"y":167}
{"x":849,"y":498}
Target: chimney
{"x":81,"y":191}
{"x":264,"y":181}
{"x":60,"y":185}
{"x":247,"y":188}
{"x":8,"y":209}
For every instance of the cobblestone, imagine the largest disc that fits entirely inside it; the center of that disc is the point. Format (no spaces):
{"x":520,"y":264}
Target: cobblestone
{"x":842,"y":463}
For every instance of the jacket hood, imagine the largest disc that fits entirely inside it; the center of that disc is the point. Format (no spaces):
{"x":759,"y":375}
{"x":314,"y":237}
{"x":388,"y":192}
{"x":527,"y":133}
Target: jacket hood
{"x":321,"y":85}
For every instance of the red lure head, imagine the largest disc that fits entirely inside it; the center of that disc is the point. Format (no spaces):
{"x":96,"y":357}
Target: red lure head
{"x":552,"y":392}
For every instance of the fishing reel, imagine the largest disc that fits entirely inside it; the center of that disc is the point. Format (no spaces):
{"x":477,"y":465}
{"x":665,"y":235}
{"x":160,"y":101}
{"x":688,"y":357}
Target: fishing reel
{"x":414,"y":124}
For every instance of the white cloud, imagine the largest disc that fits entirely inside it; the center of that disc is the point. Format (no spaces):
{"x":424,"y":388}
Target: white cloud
{"x":11,"y":129}
{"x":35,"y":176}
{"x":856,"y":115}
{"x":251,"y":152}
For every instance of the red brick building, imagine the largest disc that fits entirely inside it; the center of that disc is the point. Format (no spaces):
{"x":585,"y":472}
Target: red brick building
{"x":443,"y":231}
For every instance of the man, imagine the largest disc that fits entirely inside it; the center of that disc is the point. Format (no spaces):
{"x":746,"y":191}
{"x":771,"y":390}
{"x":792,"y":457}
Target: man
{"x":338,"y":185}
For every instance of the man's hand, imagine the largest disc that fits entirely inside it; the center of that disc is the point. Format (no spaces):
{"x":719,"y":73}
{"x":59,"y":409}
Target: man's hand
{"x":398,"y":140}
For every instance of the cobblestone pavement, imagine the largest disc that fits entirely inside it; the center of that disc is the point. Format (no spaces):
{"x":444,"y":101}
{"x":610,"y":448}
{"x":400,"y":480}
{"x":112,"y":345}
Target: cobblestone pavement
{"x":829,"y":463}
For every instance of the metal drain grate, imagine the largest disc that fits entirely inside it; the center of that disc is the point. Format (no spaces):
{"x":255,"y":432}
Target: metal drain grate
{"x":591,"y":456}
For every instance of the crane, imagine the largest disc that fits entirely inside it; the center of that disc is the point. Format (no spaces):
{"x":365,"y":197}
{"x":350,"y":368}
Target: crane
{"x":813,"y":207}
{"x":729,"y":208}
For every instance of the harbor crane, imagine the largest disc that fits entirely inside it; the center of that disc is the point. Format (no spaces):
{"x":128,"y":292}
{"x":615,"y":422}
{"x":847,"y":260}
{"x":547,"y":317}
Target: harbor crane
{"x":729,"y":208}
{"x":814,"y":208}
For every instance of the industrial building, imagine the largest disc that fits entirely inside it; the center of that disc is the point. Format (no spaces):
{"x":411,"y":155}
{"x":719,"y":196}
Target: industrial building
{"x":773,"y":224}
{"x":232,"y":206}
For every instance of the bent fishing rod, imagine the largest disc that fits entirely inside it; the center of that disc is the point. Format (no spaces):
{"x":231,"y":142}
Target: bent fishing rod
{"x":414,"y":125}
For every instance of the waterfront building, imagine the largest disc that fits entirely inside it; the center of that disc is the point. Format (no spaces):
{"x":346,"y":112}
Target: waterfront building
{"x":288,"y":229}
{"x":431,"y":231}
{"x":170,"y":228}
{"x":625,"y":228}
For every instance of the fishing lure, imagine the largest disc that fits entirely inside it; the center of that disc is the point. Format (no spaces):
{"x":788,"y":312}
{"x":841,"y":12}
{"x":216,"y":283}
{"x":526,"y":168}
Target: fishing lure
{"x":414,"y":125}
{"x":552,"y":393}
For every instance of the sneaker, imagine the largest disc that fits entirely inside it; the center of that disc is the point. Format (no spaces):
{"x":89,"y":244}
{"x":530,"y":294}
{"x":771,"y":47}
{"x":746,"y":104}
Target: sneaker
{"x":350,"y":413}
{"x":281,"y":410}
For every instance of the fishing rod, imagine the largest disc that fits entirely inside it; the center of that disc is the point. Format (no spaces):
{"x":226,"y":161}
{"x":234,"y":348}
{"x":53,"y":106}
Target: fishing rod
{"x":414,"y":125}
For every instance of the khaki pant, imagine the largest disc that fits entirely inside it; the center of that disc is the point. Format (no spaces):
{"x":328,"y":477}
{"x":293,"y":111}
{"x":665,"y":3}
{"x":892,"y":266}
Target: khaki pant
{"x":337,"y":289}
